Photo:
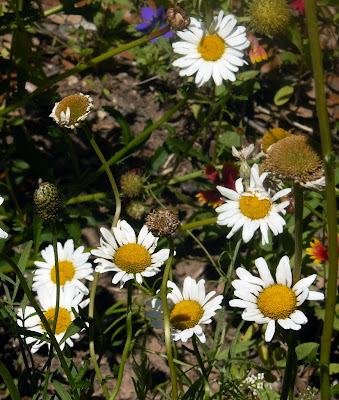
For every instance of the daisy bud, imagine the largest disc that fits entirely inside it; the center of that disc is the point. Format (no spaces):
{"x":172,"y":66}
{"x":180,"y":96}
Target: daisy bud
{"x":295,"y":158}
{"x":162,"y":223}
{"x":268,"y":17}
{"x":273,"y":136}
{"x":136,"y":209}
{"x":47,"y":201}
{"x":71,"y":110}
{"x":178,"y":18}
{"x":132,"y":183}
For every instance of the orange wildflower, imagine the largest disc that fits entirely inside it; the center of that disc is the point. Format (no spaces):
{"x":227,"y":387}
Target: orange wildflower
{"x":318,"y":252}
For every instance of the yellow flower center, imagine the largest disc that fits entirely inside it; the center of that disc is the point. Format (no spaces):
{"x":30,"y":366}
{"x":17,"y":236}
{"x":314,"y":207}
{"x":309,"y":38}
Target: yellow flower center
{"x":186,"y":314}
{"x":63,"y":322}
{"x":211,"y":47}
{"x":277,"y":302}
{"x":66,"y":272}
{"x":132,"y":258}
{"x":78,"y":105}
{"x":253,"y":207}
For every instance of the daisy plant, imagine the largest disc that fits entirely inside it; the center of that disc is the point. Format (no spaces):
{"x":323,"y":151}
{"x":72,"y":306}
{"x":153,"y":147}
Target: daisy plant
{"x":73,"y":266}
{"x":129,"y":257}
{"x":268,"y":302}
{"x":69,"y":298}
{"x":215,"y":51}
{"x":252,"y":208}
{"x":188,"y":310}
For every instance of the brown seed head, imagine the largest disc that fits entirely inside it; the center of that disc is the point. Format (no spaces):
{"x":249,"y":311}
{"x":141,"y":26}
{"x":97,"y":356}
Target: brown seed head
{"x":162,"y":223}
{"x":295,"y":158}
{"x":178,"y":18}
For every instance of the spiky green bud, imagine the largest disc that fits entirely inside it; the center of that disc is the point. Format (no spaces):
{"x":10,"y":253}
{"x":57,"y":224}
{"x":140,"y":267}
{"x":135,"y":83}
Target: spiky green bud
{"x":47,"y":201}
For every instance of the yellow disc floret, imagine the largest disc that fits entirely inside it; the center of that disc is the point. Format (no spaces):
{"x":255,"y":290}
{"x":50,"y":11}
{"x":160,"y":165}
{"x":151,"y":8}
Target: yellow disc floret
{"x":78,"y":105}
{"x":132,"y":258}
{"x":66,"y":272}
{"x":63,"y":322}
{"x":277,"y":302}
{"x":211,"y":47}
{"x":253,"y":207}
{"x":186,"y":314}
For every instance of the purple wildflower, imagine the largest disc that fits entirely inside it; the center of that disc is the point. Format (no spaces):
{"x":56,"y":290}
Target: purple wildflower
{"x":154,"y":18}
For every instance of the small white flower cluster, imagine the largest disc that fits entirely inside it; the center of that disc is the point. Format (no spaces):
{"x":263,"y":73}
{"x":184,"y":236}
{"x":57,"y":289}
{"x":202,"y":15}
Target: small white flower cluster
{"x":73,"y":267}
{"x":255,"y":383}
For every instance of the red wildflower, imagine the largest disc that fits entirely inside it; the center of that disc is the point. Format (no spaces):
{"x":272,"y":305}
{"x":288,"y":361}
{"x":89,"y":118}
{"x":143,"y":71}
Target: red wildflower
{"x":229,"y":174}
{"x":298,"y":5}
{"x":257,"y":53}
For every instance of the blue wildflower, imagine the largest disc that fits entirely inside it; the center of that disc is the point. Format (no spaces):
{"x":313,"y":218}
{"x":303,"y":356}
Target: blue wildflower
{"x":154,"y":18}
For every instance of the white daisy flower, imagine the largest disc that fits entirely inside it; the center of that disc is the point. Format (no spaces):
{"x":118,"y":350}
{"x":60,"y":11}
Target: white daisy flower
{"x":69,"y":298}
{"x":268,"y":302}
{"x":188,"y":310}
{"x":3,"y":234}
{"x":215,"y":52}
{"x":129,"y":257}
{"x":73,"y":266}
{"x":70,"y":111}
{"x":252,"y":209}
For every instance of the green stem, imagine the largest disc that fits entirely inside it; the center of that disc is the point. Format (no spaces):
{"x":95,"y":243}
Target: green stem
{"x":143,"y":135}
{"x":291,"y":363}
{"x":163,"y":291}
{"x":83,"y":67}
{"x":128,"y":340}
{"x":329,"y":163}
{"x":57,"y":274}
{"x":91,"y":335}
{"x":44,"y":322}
{"x":217,"y":133}
{"x":315,"y":212}
{"x":298,"y":240}
{"x":196,"y":224}
{"x":87,"y":197}
{"x":96,"y":275}
{"x":108,"y":172}
{"x":202,"y":367}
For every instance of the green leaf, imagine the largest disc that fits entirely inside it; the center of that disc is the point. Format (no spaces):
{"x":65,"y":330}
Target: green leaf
{"x":283,"y":95}
{"x":307,"y":350}
{"x":120,"y":119}
{"x":62,"y":392}
{"x":288,"y":57}
{"x":22,"y":265}
{"x":334,"y":368}
{"x":11,"y":386}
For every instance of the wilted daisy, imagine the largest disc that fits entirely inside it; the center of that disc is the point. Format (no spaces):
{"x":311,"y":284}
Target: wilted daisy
{"x":131,"y":258}
{"x":252,"y":208}
{"x":215,"y":51}
{"x":69,"y":298}
{"x":73,"y":266}
{"x":3,"y":234}
{"x":267,"y":302}
{"x":71,"y":110}
{"x":188,"y":310}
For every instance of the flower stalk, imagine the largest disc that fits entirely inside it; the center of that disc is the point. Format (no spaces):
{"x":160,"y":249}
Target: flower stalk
{"x":96,"y":275}
{"x":167,"y":331}
{"x":329,"y":164}
{"x":82,"y":67}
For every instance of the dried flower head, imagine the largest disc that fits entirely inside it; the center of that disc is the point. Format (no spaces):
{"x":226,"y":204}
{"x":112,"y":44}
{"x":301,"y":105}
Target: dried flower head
{"x":268,"y":17}
{"x":178,"y":18}
{"x":162,"y":223}
{"x":273,"y":136}
{"x":71,"y":110}
{"x":132,"y":183}
{"x":295,"y":158}
{"x":136,"y":209}
{"x":47,"y":201}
